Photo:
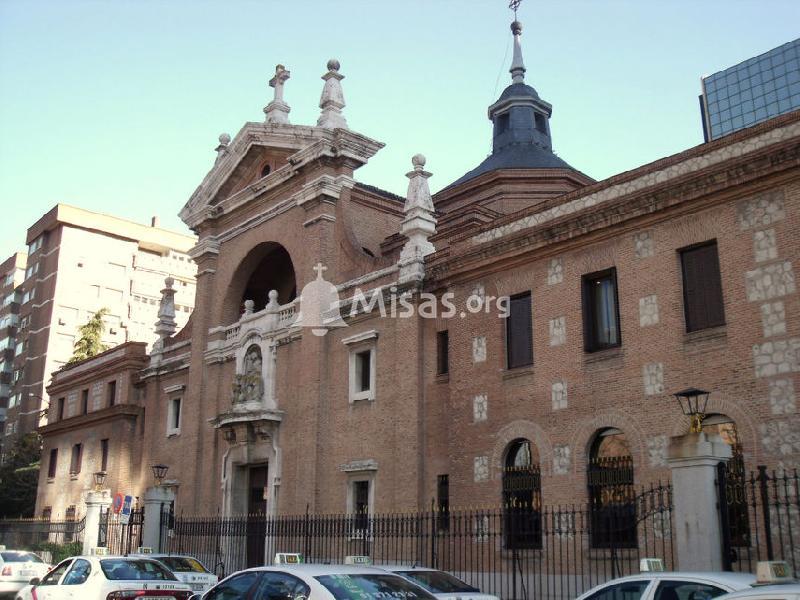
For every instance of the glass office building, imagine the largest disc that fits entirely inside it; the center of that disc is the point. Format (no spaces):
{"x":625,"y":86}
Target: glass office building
{"x":755,"y":90}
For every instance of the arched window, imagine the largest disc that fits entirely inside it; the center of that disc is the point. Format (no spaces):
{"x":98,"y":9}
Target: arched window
{"x":612,"y":497}
{"x":735,"y":477}
{"x":522,"y":496}
{"x":265,"y":170}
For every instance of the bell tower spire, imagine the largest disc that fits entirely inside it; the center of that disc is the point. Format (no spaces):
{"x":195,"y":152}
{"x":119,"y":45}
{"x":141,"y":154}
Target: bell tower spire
{"x":517,"y":69}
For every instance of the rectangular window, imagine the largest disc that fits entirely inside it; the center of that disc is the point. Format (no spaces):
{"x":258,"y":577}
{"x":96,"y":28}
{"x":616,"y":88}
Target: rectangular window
{"x":103,"y":455}
{"x":85,"y":402}
{"x":442,"y":352}
{"x":76,"y":459}
{"x":601,"y":328}
{"x":519,"y":332}
{"x":61,"y":403}
{"x":443,"y":501}
{"x":174,"y":416}
{"x":52,"y":466}
{"x":361,"y":505}
{"x":363,"y":370}
{"x":112,"y":393}
{"x":702,"y":287}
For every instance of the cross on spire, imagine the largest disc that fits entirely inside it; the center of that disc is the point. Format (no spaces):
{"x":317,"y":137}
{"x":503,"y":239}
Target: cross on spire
{"x":319,"y":268}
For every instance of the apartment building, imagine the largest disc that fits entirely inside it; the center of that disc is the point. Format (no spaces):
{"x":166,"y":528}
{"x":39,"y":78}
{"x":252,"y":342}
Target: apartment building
{"x":12,"y":273}
{"x":79,"y":262}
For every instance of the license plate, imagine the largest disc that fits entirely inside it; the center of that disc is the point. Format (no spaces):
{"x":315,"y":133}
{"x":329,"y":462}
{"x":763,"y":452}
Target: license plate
{"x":27,"y":573}
{"x":198,"y":587}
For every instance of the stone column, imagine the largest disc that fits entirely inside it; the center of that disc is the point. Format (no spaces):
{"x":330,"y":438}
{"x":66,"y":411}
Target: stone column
{"x":693,"y":459}
{"x":96,"y":502}
{"x":156,"y":500}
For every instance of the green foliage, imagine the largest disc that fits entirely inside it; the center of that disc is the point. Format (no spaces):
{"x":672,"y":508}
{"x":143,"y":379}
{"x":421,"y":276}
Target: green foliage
{"x":60,"y":551}
{"x":89,"y":343}
{"x":19,"y":476}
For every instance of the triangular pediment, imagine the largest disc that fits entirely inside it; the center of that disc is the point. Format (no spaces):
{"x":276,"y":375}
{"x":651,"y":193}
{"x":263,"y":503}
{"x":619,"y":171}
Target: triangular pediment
{"x":237,"y":170}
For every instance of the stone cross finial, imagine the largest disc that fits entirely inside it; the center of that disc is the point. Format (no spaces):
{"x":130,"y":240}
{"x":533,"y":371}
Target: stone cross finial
{"x":332,"y":100}
{"x":277,"y":111}
{"x":517,"y":69}
{"x":166,"y":325}
{"x":222,"y":149}
{"x":419,"y":222}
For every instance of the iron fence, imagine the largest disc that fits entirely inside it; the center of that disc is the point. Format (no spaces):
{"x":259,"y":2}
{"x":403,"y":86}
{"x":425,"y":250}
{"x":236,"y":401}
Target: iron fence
{"x":43,"y":536}
{"x":478,"y":545}
{"x":760,"y":517}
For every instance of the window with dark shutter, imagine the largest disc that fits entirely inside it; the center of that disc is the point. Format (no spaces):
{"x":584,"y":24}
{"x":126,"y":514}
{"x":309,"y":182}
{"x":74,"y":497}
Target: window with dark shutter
{"x":442,"y":353}
{"x":53,"y":465}
{"x":519,"y":332}
{"x":601,"y":326}
{"x":76,"y":459}
{"x":104,"y":455}
{"x":702,"y":287}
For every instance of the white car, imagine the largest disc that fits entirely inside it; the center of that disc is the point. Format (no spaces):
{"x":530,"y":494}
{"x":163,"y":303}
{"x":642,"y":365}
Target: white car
{"x":670,"y":585}
{"x":109,"y":578}
{"x":187,"y":569}
{"x":17,"y":568}
{"x":783,"y":591}
{"x":314,"y":582}
{"x":441,"y":584}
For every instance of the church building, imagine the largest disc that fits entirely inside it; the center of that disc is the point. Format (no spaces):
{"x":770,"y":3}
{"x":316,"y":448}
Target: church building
{"x":354,"y":351}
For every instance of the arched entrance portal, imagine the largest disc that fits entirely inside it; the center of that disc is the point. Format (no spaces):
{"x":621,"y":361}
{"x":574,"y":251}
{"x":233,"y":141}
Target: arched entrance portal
{"x":266,"y":267}
{"x":611,"y":491}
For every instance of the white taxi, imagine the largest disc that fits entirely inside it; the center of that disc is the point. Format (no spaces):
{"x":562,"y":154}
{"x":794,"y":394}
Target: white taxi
{"x":775,"y":582}
{"x":187,"y":569}
{"x":441,"y":584}
{"x":17,"y":568}
{"x":109,"y":578}
{"x":315,"y":582}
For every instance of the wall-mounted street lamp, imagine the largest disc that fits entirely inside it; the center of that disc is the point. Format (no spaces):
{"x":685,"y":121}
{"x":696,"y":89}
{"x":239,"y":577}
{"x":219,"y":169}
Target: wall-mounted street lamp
{"x":159,"y":472}
{"x":693,"y":404}
{"x":99,"y":480}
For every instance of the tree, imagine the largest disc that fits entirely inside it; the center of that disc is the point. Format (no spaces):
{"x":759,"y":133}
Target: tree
{"x":19,"y":476}
{"x":89,"y":343}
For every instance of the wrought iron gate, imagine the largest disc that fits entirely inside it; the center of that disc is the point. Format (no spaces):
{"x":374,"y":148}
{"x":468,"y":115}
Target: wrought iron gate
{"x":118,"y":537}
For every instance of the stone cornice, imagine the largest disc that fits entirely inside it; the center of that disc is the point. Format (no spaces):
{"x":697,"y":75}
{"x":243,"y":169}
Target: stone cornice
{"x":118,"y":411}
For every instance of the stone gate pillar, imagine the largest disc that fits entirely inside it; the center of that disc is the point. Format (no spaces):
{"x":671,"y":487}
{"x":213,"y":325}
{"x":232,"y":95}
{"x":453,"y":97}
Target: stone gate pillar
{"x":693,"y":459}
{"x":96,"y":503}
{"x":156,"y":501}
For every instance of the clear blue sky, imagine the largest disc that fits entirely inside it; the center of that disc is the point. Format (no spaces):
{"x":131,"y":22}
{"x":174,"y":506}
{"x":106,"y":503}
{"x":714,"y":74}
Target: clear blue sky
{"x":116,"y":106}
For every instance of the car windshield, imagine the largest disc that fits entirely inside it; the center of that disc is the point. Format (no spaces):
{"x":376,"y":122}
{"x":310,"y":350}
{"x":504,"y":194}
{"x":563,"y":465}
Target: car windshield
{"x":356,"y":586}
{"x":20,"y":557}
{"x":182,"y":564}
{"x":438,"y":582}
{"x":133,"y":569}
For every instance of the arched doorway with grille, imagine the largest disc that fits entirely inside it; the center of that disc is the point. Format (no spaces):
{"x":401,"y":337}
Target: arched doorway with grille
{"x":522,"y":496}
{"x":612,"y":496}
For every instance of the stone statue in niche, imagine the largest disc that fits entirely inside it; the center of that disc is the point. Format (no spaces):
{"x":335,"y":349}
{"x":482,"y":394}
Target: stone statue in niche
{"x":249,"y":386}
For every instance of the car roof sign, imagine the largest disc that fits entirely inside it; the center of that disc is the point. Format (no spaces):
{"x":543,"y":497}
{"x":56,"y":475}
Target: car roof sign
{"x":288,"y":558}
{"x":773,"y":571}
{"x":647,"y":565}
{"x":357,"y":560}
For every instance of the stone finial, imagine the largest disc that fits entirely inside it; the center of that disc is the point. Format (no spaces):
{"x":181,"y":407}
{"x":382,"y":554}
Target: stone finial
{"x":419,"y":222}
{"x":249,"y":307}
{"x":166,"y":325}
{"x":222,"y":149}
{"x":517,"y":69}
{"x":332,"y":100}
{"x":277,"y":111}
{"x":272,"y":304}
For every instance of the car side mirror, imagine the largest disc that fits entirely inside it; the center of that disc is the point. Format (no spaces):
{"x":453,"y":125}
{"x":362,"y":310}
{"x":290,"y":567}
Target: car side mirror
{"x":35,"y":581}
